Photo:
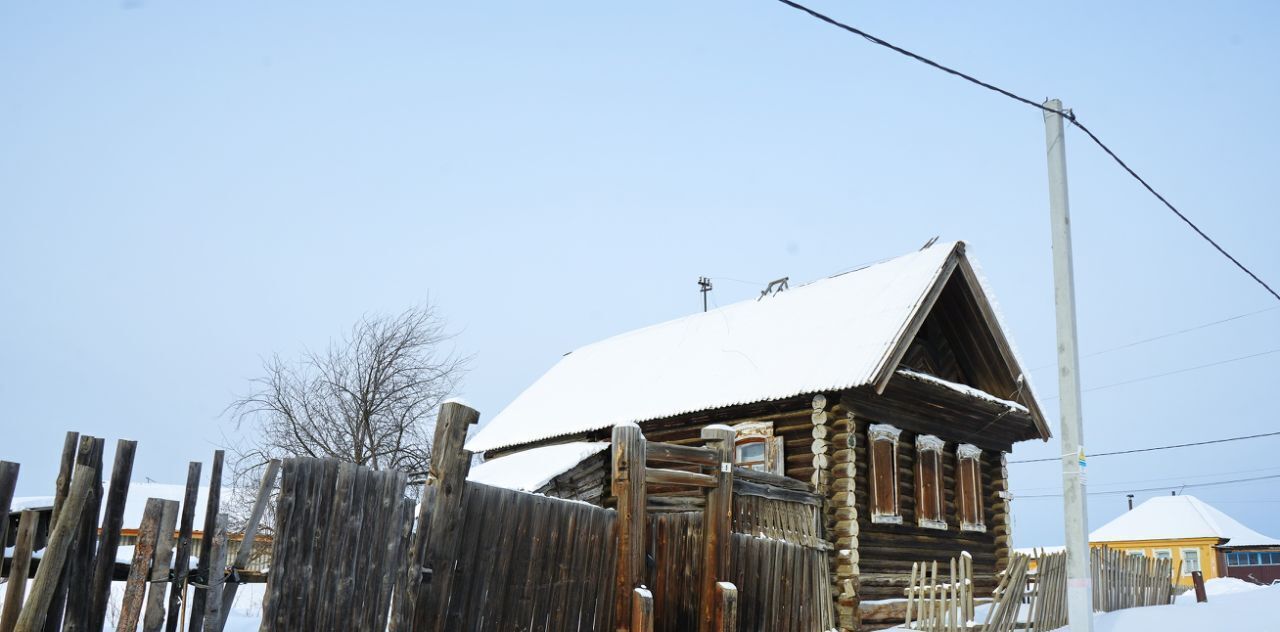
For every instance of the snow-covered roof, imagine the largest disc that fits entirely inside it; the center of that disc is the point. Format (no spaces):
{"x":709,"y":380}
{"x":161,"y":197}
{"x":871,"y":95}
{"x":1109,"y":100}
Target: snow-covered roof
{"x":963,"y":389}
{"x":1178,"y":517}
{"x":529,"y":470}
{"x":772,"y":348}
{"x":20,"y":503}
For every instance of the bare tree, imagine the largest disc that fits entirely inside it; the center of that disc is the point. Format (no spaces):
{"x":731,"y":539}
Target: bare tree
{"x":370,"y":398}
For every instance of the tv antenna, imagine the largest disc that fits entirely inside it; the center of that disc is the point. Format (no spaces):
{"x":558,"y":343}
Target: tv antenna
{"x":704,"y":286}
{"x":775,"y":286}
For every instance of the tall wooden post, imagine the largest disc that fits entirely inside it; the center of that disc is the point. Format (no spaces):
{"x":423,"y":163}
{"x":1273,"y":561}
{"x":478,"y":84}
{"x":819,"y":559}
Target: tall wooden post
{"x":15,"y":590}
{"x":109,"y":539}
{"x":214,"y":502}
{"x":182,"y":554}
{"x":31,"y":617}
{"x":53,"y":620}
{"x":628,"y":489}
{"x":717,"y":521}
{"x":135,"y":590}
{"x":437,"y":545}
{"x":8,"y":481}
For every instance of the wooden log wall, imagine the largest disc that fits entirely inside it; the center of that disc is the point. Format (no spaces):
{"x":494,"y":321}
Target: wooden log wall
{"x":529,"y":562}
{"x":885,"y":552}
{"x":337,"y":537}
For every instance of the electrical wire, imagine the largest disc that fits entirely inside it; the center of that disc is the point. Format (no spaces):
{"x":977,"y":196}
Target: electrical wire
{"x":1066,"y":114}
{"x":1157,"y":448}
{"x":1158,"y":489}
{"x":1170,"y":334}
{"x":1175,"y":372}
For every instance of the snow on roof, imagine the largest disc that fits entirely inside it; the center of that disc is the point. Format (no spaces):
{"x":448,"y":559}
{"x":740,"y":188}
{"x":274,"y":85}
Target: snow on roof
{"x":963,"y":389}
{"x":757,"y":350}
{"x":528,"y":470}
{"x":30,"y":502}
{"x":136,"y":503}
{"x":1178,"y":517}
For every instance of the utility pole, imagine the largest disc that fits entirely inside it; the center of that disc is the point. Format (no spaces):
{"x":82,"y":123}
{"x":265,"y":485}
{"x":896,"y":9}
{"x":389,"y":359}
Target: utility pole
{"x":1079,"y":588}
{"x":704,"y":286}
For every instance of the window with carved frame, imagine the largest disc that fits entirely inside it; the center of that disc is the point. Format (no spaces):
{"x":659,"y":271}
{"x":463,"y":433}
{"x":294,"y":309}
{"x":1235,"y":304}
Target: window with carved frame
{"x":929,"y":482}
{"x":757,"y":449}
{"x":882,"y":442}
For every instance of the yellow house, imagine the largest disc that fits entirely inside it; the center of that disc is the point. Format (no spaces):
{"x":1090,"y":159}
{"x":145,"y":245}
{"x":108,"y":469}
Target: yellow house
{"x":1184,"y":529}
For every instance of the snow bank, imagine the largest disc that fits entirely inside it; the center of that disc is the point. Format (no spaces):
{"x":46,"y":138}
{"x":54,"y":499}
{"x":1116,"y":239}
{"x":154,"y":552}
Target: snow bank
{"x":245,"y":614}
{"x":1219,"y":586}
{"x":1242,"y":610}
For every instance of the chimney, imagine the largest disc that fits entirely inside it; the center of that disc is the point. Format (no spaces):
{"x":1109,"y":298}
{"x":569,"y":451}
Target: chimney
{"x":1130,"y":497}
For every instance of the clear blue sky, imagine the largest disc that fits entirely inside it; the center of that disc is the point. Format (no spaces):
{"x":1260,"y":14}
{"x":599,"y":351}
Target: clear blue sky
{"x":185,"y":188}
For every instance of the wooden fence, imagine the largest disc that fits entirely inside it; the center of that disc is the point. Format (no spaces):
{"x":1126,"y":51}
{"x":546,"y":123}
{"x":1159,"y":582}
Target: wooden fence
{"x":1121,"y":580}
{"x":338,"y":542}
{"x":529,"y":562}
{"x":945,"y":606}
{"x":1035,"y":599}
{"x":68,"y":586}
{"x":350,"y":552}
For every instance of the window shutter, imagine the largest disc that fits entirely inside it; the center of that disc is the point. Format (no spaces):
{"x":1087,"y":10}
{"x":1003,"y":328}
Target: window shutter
{"x":929,"y":482}
{"x":969,"y":481}
{"x":883,"y":441}
{"x":776,"y":459}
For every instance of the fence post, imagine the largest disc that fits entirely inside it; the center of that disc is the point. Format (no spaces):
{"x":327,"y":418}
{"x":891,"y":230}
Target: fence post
{"x":726,"y":607}
{"x":450,"y":464}
{"x":8,"y":480}
{"x":31,"y":617}
{"x":182,"y":554}
{"x":1198,"y":579}
{"x":641,"y":610}
{"x":628,"y":488}
{"x":716,"y":523}
{"x":203,"y":567}
{"x":19,"y":569}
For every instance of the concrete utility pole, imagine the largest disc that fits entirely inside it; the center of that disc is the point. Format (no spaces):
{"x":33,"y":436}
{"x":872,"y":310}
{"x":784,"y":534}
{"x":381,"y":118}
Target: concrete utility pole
{"x":1079,"y":589}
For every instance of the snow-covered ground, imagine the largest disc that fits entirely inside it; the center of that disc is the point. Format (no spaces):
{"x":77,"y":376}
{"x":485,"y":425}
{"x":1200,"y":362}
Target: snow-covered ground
{"x":245,"y":614}
{"x":1234,"y":606}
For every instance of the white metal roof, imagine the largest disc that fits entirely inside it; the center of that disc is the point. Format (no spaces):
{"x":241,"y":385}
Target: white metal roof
{"x":1178,"y":517}
{"x":528,"y":470}
{"x":833,"y":334}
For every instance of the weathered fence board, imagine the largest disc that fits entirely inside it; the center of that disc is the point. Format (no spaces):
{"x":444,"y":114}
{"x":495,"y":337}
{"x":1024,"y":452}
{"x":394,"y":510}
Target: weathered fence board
{"x":546,"y":564}
{"x":330,"y":554}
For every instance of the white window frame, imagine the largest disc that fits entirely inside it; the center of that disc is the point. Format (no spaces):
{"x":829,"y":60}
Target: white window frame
{"x":1186,"y":572}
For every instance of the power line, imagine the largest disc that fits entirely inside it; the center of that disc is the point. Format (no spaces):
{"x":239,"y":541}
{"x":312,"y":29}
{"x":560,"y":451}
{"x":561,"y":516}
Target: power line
{"x":1158,"y":489}
{"x":1164,"y":335}
{"x":1068,"y":115}
{"x":1163,"y":447}
{"x":1175,"y":372}
{"x":1164,"y":479}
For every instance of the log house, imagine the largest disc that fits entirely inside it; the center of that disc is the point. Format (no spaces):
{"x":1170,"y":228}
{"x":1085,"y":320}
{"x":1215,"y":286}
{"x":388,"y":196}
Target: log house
{"x":892,"y":390}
